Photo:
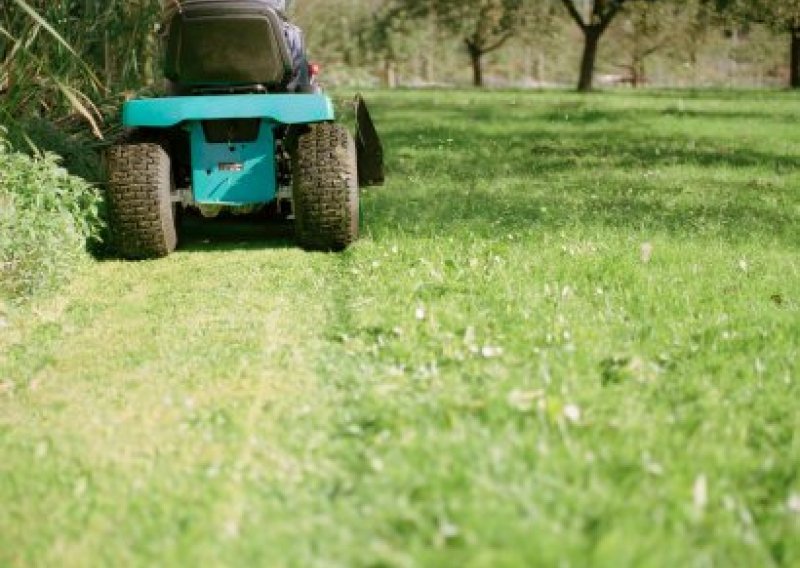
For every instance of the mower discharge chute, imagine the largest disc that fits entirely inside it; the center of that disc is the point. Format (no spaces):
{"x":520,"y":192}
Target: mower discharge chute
{"x":232,"y":137}
{"x":369,"y":149}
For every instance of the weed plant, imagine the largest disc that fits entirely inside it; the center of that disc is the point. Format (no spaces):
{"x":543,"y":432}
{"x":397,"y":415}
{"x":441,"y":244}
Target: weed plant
{"x":46,"y":218}
{"x":78,"y":150}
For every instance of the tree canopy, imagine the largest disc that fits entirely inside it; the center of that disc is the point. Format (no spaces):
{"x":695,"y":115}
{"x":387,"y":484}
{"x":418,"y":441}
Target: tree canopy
{"x":783,"y":16}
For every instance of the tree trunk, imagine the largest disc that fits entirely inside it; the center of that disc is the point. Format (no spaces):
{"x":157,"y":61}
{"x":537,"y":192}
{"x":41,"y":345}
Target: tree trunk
{"x":477,"y":69}
{"x":389,"y":74}
{"x":540,"y":66}
{"x":794,"y":74}
{"x":638,"y":76}
{"x":592,"y":40}
{"x":476,"y":57}
{"x":641,"y":74}
{"x":428,"y":73}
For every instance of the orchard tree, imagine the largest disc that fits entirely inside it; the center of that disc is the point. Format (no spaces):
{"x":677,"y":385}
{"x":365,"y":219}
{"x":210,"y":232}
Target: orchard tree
{"x":387,"y":33}
{"x":331,"y":28}
{"x":781,"y":15}
{"x":348,"y":34}
{"x":484,"y":25}
{"x":593,"y":18}
{"x":697,"y":25}
{"x":785,"y":15}
{"x":651,"y":27}
{"x":644,"y":33}
{"x":542,"y":37}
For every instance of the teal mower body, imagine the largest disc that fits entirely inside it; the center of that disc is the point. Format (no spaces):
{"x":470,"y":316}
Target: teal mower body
{"x":233,"y":139}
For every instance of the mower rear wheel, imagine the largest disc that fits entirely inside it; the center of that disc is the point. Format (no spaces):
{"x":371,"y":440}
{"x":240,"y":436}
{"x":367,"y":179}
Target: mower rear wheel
{"x":141,"y":213}
{"x":326,"y":200}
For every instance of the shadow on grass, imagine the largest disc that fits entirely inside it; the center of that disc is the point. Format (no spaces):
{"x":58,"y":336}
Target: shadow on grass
{"x":556,"y":150}
{"x":489,"y":170}
{"x":704,"y":94}
{"x":654,"y":151}
{"x":228,"y":233}
{"x":484,"y":214}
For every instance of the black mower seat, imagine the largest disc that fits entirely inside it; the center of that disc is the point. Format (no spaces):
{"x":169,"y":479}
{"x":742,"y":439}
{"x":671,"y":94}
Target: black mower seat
{"x":226,"y":43}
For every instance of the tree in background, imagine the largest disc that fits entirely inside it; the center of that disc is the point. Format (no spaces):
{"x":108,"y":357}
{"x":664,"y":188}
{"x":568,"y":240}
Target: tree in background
{"x":785,"y":15}
{"x":483,"y":25}
{"x":347,"y":35}
{"x":780,"y":15}
{"x":593,"y":18}
{"x":644,"y":35}
{"x":539,"y":45}
{"x":650,"y":27}
{"x":332,"y":26}
{"x":695,"y":32}
{"x":391,"y":32}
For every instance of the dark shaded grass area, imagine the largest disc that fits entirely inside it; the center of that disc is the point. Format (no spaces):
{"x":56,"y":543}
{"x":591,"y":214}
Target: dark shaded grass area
{"x":701,"y":173}
{"x":251,"y":232}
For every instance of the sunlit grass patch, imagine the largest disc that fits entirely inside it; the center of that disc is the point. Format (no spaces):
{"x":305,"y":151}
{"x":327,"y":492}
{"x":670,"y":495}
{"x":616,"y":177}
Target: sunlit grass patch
{"x":569,"y":336}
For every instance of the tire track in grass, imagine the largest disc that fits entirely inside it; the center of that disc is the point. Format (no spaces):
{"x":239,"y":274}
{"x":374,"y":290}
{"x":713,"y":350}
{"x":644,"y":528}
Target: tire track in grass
{"x":139,"y":414}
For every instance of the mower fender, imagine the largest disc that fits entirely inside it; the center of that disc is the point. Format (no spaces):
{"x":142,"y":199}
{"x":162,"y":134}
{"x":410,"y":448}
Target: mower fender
{"x":282,"y":109}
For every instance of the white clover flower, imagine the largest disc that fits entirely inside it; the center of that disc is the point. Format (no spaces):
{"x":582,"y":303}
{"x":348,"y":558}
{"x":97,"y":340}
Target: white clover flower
{"x":572,"y":412}
{"x":793,"y":503}
{"x":491,"y":352}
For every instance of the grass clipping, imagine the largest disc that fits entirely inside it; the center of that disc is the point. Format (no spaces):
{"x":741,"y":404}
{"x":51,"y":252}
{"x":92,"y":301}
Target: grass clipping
{"x":46,"y":218}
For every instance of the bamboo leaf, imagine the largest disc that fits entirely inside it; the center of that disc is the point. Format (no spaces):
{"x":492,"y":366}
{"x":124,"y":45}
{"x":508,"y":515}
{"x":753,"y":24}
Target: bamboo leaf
{"x":36,"y":17}
{"x":85,"y":108}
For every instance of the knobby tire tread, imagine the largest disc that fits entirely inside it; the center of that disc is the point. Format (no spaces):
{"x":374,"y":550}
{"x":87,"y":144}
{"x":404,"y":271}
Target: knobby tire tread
{"x":326,"y":196}
{"x":141,"y":220}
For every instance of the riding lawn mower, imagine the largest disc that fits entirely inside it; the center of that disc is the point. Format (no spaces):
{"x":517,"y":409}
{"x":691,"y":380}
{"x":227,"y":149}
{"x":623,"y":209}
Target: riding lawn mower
{"x":230,"y":135}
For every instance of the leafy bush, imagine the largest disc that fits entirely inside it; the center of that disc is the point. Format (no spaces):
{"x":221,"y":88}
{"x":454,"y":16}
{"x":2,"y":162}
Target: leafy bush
{"x":72,"y":141}
{"x":46,"y":218}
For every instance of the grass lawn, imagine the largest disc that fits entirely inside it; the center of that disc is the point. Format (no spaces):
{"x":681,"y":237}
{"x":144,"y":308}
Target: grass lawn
{"x":569,"y":337}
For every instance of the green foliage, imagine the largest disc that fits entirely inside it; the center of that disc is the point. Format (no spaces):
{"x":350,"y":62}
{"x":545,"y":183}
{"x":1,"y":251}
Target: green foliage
{"x":78,"y":149}
{"x":46,"y":218}
{"x":66,"y":58}
{"x":484,"y":26}
{"x":782,"y":14}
